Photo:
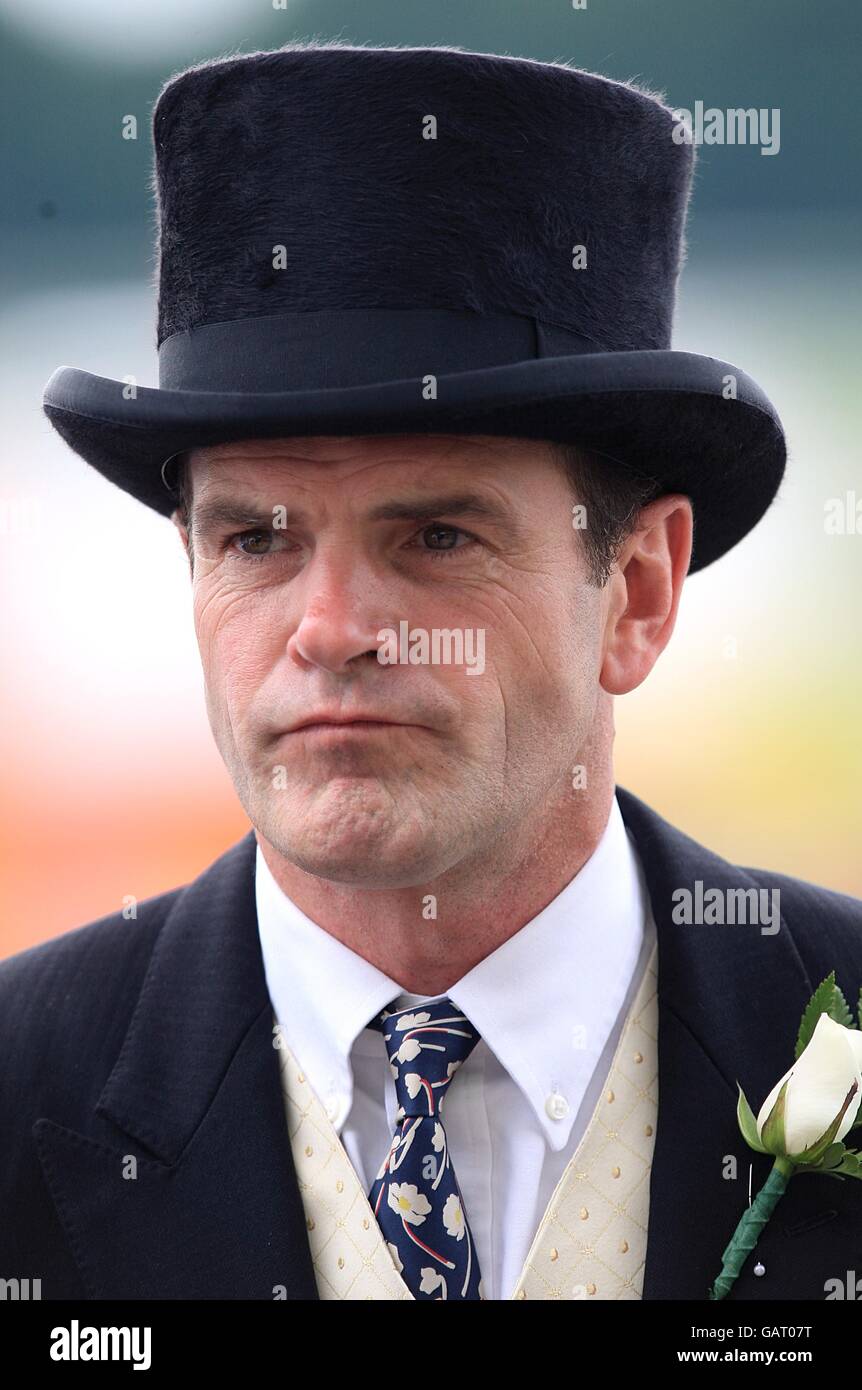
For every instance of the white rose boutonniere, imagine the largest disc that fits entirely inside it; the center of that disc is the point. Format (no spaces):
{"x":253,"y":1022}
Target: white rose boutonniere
{"x":805,"y":1117}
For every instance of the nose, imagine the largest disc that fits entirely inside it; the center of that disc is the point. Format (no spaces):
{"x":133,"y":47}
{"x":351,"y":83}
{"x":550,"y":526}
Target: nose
{"x":336,"y":626}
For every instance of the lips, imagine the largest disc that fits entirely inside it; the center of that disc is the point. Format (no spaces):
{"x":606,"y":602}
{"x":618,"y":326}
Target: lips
{"x":334,"y":721}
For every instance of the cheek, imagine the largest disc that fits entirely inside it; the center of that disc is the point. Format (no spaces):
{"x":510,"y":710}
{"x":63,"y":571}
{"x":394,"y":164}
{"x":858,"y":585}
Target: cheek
{"x":239,"y":643}
{"x":552,"y":633}
{"x":553,"y":657}
{"x":529,"y":684}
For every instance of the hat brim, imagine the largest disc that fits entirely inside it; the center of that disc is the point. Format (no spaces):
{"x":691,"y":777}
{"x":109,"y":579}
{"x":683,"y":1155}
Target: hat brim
{"x":698,"y":425}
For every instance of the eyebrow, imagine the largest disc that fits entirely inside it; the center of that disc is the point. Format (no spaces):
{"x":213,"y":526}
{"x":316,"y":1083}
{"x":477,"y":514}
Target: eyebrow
{"x":218,"y":514}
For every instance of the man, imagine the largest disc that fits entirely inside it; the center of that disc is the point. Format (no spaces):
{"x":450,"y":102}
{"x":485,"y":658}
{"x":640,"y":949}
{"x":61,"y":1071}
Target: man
{"x":436,"y":1027}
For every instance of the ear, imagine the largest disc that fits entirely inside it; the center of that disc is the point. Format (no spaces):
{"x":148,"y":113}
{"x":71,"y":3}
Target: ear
{"x":176,"y":518}
{"x":644,"y":592}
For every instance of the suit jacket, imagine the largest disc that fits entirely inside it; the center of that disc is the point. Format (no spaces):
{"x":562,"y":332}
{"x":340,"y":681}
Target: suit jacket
{"x":146,"y":1046}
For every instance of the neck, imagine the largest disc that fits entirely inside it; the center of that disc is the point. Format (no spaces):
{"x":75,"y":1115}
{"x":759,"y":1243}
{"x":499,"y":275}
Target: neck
{"x":483,"y":902}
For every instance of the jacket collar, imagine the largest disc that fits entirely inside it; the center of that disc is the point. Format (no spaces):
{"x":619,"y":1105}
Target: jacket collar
{"x":203,"y":992}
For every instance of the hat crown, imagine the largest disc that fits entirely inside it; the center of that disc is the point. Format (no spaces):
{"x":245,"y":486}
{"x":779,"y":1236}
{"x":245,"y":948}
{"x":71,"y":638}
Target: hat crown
{"x":426,"y":178}
{"x":375,"y":241}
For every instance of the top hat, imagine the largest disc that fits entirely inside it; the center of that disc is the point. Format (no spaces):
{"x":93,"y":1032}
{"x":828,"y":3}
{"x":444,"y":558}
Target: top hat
{"x":401,"y":240}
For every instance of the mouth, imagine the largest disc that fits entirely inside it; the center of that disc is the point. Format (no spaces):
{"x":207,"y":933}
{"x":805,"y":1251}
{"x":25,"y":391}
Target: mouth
{"x":350,"y":726}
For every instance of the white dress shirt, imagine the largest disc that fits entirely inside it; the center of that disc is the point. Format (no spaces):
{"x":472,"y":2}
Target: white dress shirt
{"x":549,"y":1004}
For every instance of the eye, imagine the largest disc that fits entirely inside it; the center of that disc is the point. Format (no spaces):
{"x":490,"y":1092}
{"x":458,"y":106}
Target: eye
{"x":447,"y":534}
{"x":255,"y":544}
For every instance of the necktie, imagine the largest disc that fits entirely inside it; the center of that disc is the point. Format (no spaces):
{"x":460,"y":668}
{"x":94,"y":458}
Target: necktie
{"x":415,"y":1195}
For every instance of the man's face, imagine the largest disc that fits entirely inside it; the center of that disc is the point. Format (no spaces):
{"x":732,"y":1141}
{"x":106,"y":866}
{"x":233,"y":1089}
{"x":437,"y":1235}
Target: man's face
{"x":472,"y":534}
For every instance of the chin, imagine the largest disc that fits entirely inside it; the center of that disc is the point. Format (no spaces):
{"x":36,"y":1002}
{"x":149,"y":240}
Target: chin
{"x":375,"y":851}
{"x":367,"y":868}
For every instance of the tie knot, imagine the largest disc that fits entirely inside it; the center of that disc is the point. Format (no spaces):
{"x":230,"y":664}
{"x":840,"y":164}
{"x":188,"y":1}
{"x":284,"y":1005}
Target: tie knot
{"x":426,"y":1046}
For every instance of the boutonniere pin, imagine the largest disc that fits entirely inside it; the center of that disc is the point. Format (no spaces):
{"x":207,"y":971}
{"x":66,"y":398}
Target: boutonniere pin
{"x":804,"y":1118}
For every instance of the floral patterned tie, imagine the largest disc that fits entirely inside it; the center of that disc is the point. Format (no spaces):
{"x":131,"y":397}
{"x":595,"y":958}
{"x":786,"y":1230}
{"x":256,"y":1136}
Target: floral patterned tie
{"x":415,"y":1195}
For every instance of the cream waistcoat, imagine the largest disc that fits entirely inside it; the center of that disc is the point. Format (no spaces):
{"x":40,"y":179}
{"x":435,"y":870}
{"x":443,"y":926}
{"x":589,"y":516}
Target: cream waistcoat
{"x":591,"y":1241}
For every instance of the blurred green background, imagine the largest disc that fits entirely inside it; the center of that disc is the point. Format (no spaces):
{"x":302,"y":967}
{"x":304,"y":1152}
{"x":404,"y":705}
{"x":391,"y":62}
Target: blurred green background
{"x":747,"y":734}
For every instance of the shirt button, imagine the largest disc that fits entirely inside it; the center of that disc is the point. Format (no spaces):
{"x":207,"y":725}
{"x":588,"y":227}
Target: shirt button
{"x":557,"y":1106}
{"x":334,"y":1111}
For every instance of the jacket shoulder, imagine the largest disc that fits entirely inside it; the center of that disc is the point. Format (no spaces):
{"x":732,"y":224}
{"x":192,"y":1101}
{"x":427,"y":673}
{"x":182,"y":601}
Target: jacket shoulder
{"x":826,"y":926}
{"x":83,"y":955}
{"x":72,"y":997}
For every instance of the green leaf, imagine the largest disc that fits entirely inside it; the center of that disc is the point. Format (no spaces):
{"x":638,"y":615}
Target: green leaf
{"x":840,"y":1010}
{"x":826,"y":999}
{"x":837,"y":1161}
{"x":819,"y":1003}
{"x":833,"y":1156}
{"x":772,"y":1133}
{"x":851,"y":1165}
{"x":748,"y":1123}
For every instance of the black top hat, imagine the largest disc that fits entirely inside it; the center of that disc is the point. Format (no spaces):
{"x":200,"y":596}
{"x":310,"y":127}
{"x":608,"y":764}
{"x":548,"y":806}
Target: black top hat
{"x":398,"y":240}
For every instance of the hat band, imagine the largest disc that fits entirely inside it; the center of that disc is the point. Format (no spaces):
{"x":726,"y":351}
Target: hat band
{"x":325,"y":348}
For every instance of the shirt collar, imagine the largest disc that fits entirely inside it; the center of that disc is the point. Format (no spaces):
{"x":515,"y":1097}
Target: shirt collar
{"x":545,"y":1001}
{"x":323,"y":994}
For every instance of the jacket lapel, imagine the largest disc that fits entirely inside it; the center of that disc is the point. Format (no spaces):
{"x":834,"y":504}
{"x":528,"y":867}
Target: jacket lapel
{"x":197,"y":1195}
{"x":730,"y":1000}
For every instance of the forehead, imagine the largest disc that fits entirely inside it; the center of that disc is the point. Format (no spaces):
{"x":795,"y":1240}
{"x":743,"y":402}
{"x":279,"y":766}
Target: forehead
{"x":218,"y":459}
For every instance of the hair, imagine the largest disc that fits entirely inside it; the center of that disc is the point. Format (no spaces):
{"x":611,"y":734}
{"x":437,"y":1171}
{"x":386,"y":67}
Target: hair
{"x":611,"y":494}
{"x":181,"y":485}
